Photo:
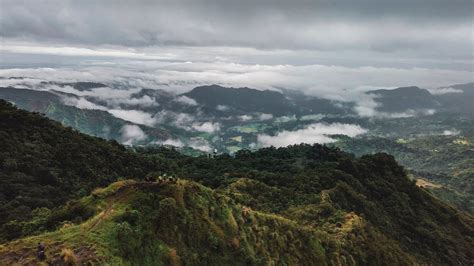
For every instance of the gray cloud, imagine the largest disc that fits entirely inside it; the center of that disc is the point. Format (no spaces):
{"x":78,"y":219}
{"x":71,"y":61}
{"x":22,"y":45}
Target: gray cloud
{"x":416,"y":29}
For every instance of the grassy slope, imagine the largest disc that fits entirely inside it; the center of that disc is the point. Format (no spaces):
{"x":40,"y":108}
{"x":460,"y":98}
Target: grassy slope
{"x":182,"y":222}
{"x":167,"y":223}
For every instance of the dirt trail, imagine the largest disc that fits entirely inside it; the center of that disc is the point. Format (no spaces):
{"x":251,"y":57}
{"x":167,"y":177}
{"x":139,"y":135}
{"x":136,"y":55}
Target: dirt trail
{"x":102,"y":216}
{"x":120,"y":195}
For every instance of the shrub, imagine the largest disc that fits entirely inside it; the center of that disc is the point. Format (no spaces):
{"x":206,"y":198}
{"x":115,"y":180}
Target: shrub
{"x":68,"y":257}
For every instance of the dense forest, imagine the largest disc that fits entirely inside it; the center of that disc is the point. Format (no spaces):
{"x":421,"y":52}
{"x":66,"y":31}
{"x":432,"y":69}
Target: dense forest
{"x":303,"y":204}
{"x":446,"y":160}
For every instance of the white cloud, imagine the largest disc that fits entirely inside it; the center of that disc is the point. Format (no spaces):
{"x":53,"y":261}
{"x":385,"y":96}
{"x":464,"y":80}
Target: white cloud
{"x":315,"y":117}
{"x":186,"y":100}
{"x":81,"y":103}
{"x":331,"y":82}
{"x":144,"y":101}
{"x":365,"y":105}
{"x":341,"y":83}
{"x":285,"y":119}
{"x":173,"y":142}
{"x":263,"y":117}
{"x":452,"y":132}
{"x":207,"y":127}
{"x":132,"y":134}
{"x":222,"y":108}
{"x":113,"y":97}
{"x":445,"y":90}
{"x":199,"y":144}
{"x":181,"y":120}
{"x":407,"y":113}
{"x":245,"y":118}
{"x":134,"y":116}
{"x":314,"y":133}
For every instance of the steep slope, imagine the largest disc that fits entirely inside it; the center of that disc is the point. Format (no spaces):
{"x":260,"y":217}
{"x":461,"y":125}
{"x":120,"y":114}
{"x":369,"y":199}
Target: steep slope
{"x":373,"y":187}
{"x":43,"y":164}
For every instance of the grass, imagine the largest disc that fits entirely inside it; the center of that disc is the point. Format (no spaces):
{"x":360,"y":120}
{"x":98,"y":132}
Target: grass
{"x":143,"y":223}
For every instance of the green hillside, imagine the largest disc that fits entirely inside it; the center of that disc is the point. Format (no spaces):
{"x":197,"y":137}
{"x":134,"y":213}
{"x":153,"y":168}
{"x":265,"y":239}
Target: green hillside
{"x":43,"y":164}
{"x":300,"y":205}
{"x":445,"y":160}
{"x":168,"y":223}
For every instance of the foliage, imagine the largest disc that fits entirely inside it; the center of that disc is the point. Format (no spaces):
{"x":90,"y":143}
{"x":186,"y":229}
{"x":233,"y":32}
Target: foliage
{"x":445,"y":160}
{"x":302,"y":204}
{"x":43,"y":165}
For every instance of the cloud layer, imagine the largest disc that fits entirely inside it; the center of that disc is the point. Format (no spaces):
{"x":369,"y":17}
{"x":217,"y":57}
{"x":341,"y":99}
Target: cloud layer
{"x":315,"y":25}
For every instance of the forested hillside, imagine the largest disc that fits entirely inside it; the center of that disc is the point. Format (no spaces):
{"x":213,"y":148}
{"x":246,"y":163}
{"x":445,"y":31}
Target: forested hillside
{"x":448,"y":161}
{"x":43,"y":164}
{"x":304,"y":204}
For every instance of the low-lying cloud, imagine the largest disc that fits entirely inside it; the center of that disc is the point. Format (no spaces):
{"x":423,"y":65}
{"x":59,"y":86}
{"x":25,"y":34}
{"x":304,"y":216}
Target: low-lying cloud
{"x":451,"y":132}
{"x":245,"y":118}
{"x":208,"y":127}
{"x":222,"y":108}
{"x":338,"y":83}
{"x":264,"y":117}
{"x":314,"y":133}
{"x":173,"y":142}
{"x":186,"y":100}
{"x":444,"y":90}
{"x":81,"y":103}
{"x":181,"y":120}
{"x":132,"y":134}
{"x":134,"y":116}
{"x":199,"y":144}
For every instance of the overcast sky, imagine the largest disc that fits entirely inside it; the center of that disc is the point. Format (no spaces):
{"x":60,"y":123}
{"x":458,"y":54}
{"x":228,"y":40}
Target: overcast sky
{"x":423,"y":39}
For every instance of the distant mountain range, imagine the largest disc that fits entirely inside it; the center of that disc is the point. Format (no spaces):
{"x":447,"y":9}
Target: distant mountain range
{"x":208,"y":111}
